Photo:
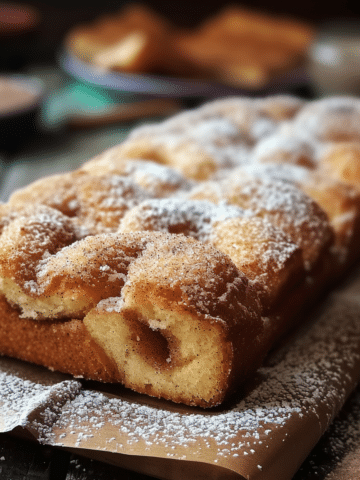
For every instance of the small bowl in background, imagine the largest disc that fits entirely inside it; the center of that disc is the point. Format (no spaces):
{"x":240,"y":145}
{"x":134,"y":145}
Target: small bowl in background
{"x":20,"y":103}
{"x":334,"y":59}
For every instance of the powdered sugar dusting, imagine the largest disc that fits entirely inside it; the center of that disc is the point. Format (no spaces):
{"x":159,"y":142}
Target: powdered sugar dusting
{"x":22,"y":400}
{"x":336,"y":455}
{"x":330,"y":119}
{"x":158,"y":179}
{"x":284,"y":148}
{"x":192,"y":134}
{"x":191,"y":217}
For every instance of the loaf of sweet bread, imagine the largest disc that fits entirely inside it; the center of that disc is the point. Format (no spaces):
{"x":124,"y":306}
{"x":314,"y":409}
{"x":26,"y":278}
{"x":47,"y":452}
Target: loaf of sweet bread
{"x":173,"y":262}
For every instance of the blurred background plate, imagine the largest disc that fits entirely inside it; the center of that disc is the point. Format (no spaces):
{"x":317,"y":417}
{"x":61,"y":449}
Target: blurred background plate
{"x":152,"y":85}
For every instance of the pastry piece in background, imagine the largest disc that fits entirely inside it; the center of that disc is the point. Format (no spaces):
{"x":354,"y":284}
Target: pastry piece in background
{"x":238,"y":47}
{"x":333,"y":119}
{"x":204,"y":142}
{"x":132,"y":40}
{"x":245,"y":48}
{"x":342,"y":161}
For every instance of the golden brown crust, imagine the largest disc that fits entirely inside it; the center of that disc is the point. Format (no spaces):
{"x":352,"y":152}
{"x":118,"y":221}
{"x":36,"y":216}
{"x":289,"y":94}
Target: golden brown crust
{"x":340,"y":200}
{"x":29,"y":235}
{"x":174,"y":285}
{"x":334,"y":119}
{"x":95,"y":203}
{"x":63,"y":346}
{"x":283,"y":204}
{"x":263,"y":252}
{"x":342,"y":161}
{"x":158,"y":180}
{"x":202,"y":306}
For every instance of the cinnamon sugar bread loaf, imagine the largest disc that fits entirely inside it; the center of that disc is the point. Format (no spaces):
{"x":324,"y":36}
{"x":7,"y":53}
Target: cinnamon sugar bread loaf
{"x":173,"y":262}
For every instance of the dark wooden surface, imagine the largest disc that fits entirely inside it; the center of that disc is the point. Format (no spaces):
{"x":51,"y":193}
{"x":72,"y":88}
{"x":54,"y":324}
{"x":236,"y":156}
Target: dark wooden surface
{"x":26,"y":460}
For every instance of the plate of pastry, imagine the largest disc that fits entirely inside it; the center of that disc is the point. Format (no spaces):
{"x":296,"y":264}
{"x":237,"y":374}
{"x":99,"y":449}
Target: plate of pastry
{"x":237,"y":50}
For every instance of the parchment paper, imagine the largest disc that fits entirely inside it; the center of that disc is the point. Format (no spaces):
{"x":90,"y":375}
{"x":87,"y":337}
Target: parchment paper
{"x":264,"y":434}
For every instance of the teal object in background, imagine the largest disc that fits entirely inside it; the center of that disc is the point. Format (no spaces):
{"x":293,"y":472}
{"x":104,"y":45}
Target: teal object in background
{"x":74,"y":103}
{"x":79,"y":99}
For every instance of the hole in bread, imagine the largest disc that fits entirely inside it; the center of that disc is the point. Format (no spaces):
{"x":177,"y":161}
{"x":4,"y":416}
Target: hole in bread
{"x":186,"y":228}
{"x":159,"y":350}
{"x":154,"y":156}
{"x":151,"y":344}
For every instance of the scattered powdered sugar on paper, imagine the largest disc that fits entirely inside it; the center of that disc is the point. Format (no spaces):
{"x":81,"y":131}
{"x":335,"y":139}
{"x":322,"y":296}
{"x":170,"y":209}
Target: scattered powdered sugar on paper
{"x":308,"y":378}
{"x":335,"y":453}
{"x":21,"y":397}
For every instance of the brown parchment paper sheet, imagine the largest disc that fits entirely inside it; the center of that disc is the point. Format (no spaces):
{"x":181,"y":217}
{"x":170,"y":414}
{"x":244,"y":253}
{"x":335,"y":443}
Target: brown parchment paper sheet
{"x":265,"y":434}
